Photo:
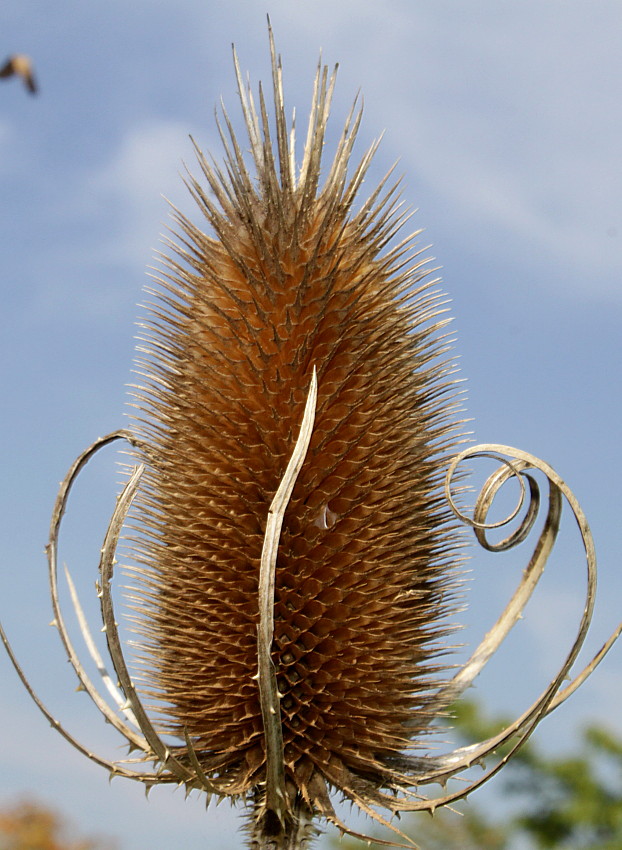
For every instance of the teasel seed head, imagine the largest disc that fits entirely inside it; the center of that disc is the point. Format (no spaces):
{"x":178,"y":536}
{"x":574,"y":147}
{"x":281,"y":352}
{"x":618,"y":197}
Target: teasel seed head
{"x":292,"y":278}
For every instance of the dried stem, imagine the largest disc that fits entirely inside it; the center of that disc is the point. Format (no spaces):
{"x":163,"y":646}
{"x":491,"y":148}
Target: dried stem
{"x":276,"y":800}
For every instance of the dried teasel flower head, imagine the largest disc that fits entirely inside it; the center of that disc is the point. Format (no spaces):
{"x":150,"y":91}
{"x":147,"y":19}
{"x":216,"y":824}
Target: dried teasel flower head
{"x":295,"y":287}
{"x":294,"y":558}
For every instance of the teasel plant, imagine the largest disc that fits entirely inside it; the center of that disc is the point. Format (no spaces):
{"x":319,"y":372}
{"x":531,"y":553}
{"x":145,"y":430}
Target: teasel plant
{"x":291,"y":511}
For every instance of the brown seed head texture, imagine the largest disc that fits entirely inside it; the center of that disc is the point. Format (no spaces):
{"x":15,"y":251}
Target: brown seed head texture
{"x":293,"y":277}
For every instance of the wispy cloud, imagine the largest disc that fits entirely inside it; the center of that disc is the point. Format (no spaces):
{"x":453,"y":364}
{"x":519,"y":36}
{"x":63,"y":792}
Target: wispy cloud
{"x":115,"y":213}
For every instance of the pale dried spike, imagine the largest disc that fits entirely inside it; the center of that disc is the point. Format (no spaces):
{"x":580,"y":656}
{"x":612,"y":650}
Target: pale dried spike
{"x":292,"y":148}
{"x":240,"y":182}
{"x":95,"y":654}
{"x":326,"y":98}
{"x":248,"y":110}
{"x":345,"y":145}
{"x":288,"y":180}
{"x":269,"y":175}
{"x":304,"y":168}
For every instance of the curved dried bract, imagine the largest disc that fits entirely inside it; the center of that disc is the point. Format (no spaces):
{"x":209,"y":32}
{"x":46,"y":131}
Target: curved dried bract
{"x":520,"y":462}
{"x":578,"y":680}
{"x":154,"y":744}
{"x":537,"y":562}
{"x":52,"y":555}
{"x":276,"y":799}
{"x":85,"y":683}
{"x":553,"y":696}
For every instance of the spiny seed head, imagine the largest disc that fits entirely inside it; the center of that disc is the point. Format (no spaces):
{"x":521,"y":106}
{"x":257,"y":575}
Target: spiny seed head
{"x":292,"y":275}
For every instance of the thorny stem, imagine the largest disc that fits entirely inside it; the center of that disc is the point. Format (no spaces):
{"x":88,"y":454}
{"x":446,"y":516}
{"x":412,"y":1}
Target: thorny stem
{"x":298,"y":834}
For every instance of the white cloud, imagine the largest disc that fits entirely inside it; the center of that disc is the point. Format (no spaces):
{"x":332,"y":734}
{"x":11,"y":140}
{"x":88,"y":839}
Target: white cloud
{"x":131,"y":186}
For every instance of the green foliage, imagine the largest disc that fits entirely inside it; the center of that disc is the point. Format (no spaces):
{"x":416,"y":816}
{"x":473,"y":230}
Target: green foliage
{"x":570,"y":801}
{"x":574,"y":801}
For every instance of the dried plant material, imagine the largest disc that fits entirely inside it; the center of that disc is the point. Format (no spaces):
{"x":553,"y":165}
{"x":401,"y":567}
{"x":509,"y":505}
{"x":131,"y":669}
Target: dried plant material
{"x":21,"y":66}
{"x":295,"y":556}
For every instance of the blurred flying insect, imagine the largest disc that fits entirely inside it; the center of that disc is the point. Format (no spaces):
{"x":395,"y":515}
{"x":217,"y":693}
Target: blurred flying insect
{"x":20,"y":65}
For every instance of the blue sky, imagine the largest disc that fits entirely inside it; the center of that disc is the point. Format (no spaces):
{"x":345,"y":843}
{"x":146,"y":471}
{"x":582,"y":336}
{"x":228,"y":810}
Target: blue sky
{"x":506,"y":121}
